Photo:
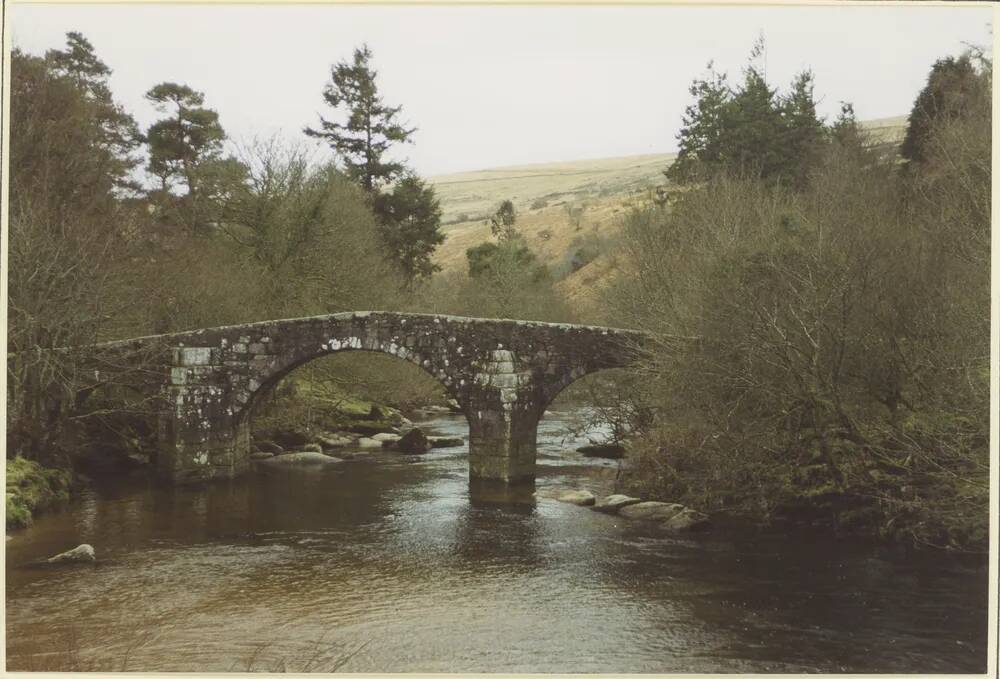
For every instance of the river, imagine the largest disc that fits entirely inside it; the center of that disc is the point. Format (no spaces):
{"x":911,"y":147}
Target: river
{"x":389,"y":565}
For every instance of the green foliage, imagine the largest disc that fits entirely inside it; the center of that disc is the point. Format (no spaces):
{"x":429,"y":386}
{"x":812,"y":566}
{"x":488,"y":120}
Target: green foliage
{"x":32,"y":488}
{"x":749,"y":129}
{"x":185,"y":154}
{"x":409,"y":215}
{"x":367,"y":128}
{"x":953,"y":86}
{"x":409,"y":223}
{"x":73,"y":144}
{"x":189,"y":136}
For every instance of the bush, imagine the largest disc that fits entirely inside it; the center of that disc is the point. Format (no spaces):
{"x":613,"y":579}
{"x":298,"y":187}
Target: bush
{"x":820,"y":355}
{"x":32,"y":488}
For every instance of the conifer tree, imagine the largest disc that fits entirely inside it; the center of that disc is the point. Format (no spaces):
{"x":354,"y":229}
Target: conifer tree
{"x":368,"y":128}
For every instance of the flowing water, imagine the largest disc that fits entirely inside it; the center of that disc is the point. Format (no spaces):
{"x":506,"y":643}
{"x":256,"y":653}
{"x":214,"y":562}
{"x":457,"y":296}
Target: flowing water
{"x":392,"y":565}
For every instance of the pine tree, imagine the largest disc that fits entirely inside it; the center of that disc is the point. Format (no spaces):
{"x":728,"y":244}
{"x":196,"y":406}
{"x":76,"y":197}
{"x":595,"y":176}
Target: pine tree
{"x":951,"y":85}
{"x":700,"y":139}
{"x":185,"y":152}
{"x":749,"y":129}
{"x":804,"y":131}
{"x":369,"y":128}
{"x":754,"y":131}
{"x":190,"y":136}
{"x":117,"y":132}
{"x":409,"y":219}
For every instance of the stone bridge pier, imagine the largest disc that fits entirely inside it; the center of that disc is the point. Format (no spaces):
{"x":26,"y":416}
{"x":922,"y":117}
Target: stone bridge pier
{"x":502,"y":373}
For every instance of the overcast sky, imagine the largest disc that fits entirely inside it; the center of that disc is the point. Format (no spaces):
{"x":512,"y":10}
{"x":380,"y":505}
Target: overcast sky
{"x":492,"y":86}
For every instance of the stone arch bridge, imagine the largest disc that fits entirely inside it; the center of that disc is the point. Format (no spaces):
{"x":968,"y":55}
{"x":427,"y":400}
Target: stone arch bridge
{"x":503,"y":373}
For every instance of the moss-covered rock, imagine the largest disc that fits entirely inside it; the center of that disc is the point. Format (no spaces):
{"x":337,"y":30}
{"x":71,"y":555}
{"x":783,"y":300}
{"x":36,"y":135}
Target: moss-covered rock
{"x":32,"y":488}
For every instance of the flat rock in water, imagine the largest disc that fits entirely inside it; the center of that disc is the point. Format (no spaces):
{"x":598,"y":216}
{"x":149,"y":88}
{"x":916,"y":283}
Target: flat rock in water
{"x":312,"y":448}
{"x":613,"y":503}
{"x":365,"y":442}
{"x":303,"y":458}
{"x":261,"y":455}
{"x":445,"y":441}
{"x":386,"y":436}
{"x":81,"y":554}
{"x":651,"y":511}
{"x":582,"y":498}
{"x":269,"y":447}
{"x":687,"y":520}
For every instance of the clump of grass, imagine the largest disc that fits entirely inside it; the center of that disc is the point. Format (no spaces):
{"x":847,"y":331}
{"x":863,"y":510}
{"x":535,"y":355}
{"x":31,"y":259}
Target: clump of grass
{"x":32,"y":488}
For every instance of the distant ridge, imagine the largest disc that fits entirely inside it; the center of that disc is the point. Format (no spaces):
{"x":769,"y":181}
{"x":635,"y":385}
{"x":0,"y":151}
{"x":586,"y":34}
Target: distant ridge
{"x":476,"y":193}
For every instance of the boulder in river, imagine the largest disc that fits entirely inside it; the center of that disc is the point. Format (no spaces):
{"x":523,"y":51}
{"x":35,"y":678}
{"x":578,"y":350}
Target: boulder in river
{"x":82,"y":554}
{"x":269,"y":447}
{"x":261,"y":455}
{"x":445,"y":441}
{"x":386,"y":437}
{"x":334,"y":441}
{"x":611,"y":451}
{"x":432,"y":410}
{"x":312,"y":448}
{"x":365,"y":442}
{"x":583,"y":498}
{"x":370,"y":428}
{"x":613,"y":503}
{"x":290,"y":437}
{"x":651,"y":511}
{"x":301,"y":459}
{"x":687,"y":520}
{"x":414,"y":441}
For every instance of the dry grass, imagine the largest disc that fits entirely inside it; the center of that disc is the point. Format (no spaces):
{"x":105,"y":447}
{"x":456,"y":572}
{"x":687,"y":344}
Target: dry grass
{"x":605,"y":188}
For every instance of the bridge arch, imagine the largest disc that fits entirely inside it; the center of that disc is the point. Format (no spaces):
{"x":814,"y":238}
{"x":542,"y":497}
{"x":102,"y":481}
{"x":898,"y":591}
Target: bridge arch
{"x":503,"y":373}
{"x":283,"y":368}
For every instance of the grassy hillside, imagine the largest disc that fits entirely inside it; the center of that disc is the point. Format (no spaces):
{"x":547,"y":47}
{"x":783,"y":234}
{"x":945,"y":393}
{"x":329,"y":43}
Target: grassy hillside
{"x":598,"y":191}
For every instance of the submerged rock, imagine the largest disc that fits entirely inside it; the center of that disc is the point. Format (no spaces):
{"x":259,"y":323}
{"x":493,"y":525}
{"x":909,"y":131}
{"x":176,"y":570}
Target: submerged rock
{"x":611,"y":451}
{"x":414,"y":441}
{"x":613,"y":503}
{"x":303,"y":458}
{"x":82,"y":554}
{"x":583,"y":498}
{"x":445,"y":441}
{"x":651,"y":511}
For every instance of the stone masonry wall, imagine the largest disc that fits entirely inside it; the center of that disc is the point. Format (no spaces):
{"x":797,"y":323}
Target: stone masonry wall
{"x":502,"y":373}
